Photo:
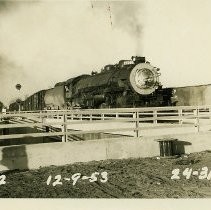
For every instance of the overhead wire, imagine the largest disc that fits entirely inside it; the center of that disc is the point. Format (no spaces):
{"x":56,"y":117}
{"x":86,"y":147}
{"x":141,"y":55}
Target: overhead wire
{"x":109,"y":10}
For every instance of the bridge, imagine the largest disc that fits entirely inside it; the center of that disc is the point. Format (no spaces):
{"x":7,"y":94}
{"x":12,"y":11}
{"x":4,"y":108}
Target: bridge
{"x":134,"y":122}
{"x":110,"y":133}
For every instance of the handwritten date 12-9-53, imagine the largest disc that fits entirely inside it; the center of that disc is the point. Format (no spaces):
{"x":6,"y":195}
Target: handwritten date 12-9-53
{"x":102,"y":177}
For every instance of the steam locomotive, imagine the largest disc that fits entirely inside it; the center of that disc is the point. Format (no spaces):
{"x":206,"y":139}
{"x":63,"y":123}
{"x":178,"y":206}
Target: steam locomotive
{"x":129,"y":83}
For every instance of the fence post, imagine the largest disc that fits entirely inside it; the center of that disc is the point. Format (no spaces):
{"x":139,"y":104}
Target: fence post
{"x":155,"y":117}
{"x":136,"y":117}
{"x":196,"y":114}
{"x":64,"y":128}
{"x":45,"y":127}
{"x":180,"y":116}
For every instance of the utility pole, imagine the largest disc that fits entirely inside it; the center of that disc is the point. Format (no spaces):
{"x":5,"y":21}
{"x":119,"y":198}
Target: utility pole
{"x":18,"y":87}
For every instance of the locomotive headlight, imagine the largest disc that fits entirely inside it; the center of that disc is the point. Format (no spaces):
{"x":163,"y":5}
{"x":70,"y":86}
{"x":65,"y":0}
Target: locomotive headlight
{"x":144,"y":78}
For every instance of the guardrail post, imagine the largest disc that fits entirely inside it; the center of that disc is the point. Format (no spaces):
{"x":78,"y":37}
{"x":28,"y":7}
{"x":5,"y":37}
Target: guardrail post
{"x":155,"y":117}
{"x":45,"y":127}
{"x":64,"y":128}
{"x":136,"y":117}
{"x":196,"y":124}
{"x":180,"y":116}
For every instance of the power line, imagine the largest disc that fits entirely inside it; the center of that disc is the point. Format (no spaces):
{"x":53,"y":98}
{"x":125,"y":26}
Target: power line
{"x":109,"y":10}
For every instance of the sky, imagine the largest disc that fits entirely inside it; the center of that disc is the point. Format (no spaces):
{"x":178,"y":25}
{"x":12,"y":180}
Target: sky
{"x":43,"y":42}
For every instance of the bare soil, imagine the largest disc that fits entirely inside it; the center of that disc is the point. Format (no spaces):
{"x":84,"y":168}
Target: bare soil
{"x":128,"y":178}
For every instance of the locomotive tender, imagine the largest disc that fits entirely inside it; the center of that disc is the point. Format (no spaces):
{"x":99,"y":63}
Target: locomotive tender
{"x":197,"y":95}
{"x":130,"y":83}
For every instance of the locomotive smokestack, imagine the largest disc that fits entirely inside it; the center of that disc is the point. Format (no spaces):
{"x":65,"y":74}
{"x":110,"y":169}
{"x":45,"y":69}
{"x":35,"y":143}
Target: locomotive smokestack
{"x":138,"y":59}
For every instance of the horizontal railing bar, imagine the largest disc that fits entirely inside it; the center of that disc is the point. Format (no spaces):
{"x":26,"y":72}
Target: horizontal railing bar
{"x":61,"y":123}
{"x":160,"y":113}
{"x":163,"y":118}
{"x":113,"y":110}
{"x":17,"y":125}
{"x":101,"y":130}
{"x":165,"y":126}
{"x":15,"y":136}
{"x":87,"y":115}
{"x":174,"y":114}
{"x":69,"y":116}
{"x":102,"y":121}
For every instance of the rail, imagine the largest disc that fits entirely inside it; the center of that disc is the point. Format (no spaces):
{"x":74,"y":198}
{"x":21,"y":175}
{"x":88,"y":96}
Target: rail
{"x":58,"y":122}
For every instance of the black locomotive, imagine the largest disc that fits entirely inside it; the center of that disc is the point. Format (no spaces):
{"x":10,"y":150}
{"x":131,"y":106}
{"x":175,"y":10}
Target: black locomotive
{"x":130,"y":83}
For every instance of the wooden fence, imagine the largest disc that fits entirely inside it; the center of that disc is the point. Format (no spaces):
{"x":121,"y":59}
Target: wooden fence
{"x":155,"y":117}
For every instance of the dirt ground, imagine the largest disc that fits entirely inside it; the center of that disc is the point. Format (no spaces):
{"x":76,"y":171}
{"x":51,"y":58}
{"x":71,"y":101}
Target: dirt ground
{"x":131,"y":178}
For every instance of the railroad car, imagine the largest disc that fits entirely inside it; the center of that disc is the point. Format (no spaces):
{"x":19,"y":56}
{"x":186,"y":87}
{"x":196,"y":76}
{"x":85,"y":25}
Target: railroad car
{"x":192,"y":95}
{"x":35,"y":101}
{"x":55,"y":97}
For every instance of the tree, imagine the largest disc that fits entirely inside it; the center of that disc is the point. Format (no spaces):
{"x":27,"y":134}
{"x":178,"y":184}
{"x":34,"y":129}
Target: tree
{"x":1,"y":106}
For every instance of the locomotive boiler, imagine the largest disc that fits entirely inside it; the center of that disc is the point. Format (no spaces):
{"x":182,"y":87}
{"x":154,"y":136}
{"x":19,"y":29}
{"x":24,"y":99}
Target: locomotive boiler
{"x":129,"y":83}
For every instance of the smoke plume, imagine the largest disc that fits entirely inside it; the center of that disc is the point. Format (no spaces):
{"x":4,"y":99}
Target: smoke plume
{"x":129,"y":17}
